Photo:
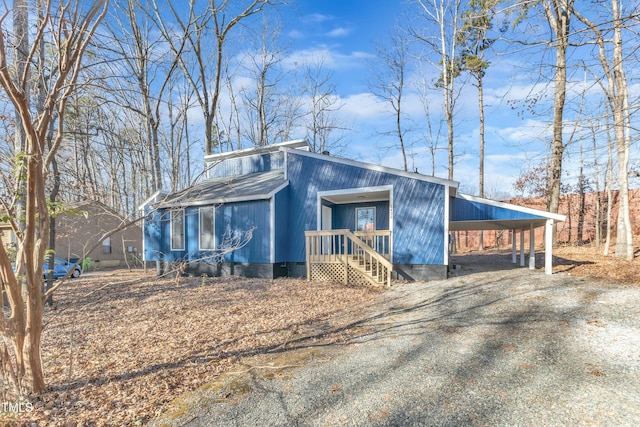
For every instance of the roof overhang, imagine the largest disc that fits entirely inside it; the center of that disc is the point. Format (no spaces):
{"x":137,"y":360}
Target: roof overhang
{"x":357,"y":195}
{"x":531,"y":217}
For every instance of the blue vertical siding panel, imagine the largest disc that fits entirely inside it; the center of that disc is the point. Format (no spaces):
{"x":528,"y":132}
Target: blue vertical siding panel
{"x":419,"y":223}
{"x":234,"y":216}
{"x":192,"y":233}
{"x":418,"y":229}
{"x":241,"y":217}
{"x":245,"y":165}
{"x":152,"y":236}
{"x":282,"y":225}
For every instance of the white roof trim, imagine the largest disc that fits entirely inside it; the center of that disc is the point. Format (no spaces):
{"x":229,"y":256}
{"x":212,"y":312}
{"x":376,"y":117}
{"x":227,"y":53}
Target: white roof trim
{"x":378,"y":168}
{"x":512,"y":207}
{"x":152,"y":198}
{"x":298,"y":144}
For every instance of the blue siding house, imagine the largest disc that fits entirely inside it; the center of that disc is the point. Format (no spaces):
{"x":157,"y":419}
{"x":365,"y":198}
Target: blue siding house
{"x":281,"y":207}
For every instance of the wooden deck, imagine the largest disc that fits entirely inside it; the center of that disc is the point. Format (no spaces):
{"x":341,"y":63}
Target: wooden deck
{"x":350,"y":258}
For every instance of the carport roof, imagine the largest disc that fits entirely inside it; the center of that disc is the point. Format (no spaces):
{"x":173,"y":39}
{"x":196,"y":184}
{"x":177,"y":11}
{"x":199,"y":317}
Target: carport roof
{"x":475,"y":213}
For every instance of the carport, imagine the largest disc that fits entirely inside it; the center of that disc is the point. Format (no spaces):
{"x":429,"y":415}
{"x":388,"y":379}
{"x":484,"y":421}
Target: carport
{"x":475,"y":213}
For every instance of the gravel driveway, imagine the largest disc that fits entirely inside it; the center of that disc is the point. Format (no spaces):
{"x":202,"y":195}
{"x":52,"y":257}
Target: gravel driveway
{"x":508,"y":347}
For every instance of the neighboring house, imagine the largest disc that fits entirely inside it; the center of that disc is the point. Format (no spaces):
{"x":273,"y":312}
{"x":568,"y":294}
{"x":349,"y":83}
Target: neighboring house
{"x":83,"y":225}
{"x":316,"y":215}
{"x":77,"y":233}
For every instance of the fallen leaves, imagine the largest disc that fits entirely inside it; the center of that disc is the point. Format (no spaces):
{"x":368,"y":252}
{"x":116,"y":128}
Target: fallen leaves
{"x":120,"y":346}
{"x":589,"y":261}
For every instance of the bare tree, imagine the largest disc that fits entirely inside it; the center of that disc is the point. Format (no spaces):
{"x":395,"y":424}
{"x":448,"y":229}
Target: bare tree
{"x":206,"y":34}
{"x":445,"y":15}
{"x":141,"y":55}
{"x":558,"y":14}
{"x":322,"y":106}
{"x":264,"y":102}
{"x":475,"y":41}
{"x":432,"y":136}
{"x":67,"y":28}
{"x":390,"y":81}
{"x":617,"y":96}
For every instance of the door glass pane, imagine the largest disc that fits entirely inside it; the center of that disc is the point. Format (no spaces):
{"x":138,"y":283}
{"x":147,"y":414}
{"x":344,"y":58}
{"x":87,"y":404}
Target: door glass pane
{"x":365,"y":219}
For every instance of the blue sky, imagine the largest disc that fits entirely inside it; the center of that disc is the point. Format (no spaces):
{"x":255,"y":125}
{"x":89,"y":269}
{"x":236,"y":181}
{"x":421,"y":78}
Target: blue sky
{"x":345,"y":34}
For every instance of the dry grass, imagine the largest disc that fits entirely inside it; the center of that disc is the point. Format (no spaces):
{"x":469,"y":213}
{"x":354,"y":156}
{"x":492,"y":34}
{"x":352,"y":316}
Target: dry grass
{"x":119,"y":346}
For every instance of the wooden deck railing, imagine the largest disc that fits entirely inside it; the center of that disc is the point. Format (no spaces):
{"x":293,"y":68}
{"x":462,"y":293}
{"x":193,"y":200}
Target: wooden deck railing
{"x":343,"y":252}
{"x":379,"y":241}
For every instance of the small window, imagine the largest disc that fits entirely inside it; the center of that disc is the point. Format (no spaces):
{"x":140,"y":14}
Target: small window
{"x":106,"y":245}
{"x":177,"y":230}
{"x":207,"y":227}
{"x":366,"y":219}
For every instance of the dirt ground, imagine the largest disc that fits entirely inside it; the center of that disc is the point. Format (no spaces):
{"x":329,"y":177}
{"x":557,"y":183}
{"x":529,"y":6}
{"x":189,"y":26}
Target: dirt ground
{"x":119,"y":346}
{"x":586,"y":260}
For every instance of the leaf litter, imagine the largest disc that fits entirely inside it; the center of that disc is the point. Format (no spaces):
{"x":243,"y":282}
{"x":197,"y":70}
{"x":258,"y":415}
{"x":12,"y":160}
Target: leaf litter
{"x":119,"y":346}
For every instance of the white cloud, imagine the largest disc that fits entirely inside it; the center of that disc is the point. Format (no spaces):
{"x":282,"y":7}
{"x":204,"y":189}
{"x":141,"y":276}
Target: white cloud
{"x":315,"y":18}
{"x":530,"y":131}
{"x":364,"y":106}
{"x":329,"y":57}
{"x":295,"y":34}
{"x":339,"y":32}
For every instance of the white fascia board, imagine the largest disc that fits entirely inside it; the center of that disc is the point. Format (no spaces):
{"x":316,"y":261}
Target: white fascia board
{"x":370,"y":166}
{"x":513,"y":207}
{"x":298,"y":144}
{"x":152,"y":198}
{"x":279,"y":188}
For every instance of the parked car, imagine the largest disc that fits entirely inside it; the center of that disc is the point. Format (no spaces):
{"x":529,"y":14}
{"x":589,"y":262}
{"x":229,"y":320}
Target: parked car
{"x":61,"y":267}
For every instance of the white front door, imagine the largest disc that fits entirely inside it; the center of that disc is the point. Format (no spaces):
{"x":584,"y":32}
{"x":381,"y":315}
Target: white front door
{"x":327,"y":223}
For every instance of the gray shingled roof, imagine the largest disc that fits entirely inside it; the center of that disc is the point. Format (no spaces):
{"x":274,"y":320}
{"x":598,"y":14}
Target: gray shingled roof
{"x":255,"y":186}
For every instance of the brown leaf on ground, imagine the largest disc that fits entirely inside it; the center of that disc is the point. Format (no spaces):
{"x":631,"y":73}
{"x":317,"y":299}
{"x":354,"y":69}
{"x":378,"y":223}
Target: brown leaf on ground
{"x":120,"y":345}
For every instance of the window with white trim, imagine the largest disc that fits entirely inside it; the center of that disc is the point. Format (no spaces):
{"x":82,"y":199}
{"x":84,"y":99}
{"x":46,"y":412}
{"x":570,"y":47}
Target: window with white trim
{"x":177,"y":230}
{"x":366,"y":219}
{"x":207,"y":228}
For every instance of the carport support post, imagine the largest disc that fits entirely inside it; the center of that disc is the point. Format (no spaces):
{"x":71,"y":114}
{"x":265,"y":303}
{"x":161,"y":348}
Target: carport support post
{"x":522,"y":247}
{"x":532,"y":249}
{"x":513,"y":246}
{"x":548,"y":247}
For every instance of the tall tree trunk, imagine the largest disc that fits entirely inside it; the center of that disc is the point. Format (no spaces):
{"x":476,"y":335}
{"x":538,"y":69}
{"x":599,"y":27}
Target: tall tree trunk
{"x":618,"y":100}
{"x":581,"y":200}
{"x":598,"y":197}
{"x":21,"y":50}
{"x":624,"y":238}
{"x":558,"y":14}
{"x":481,"y":154}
